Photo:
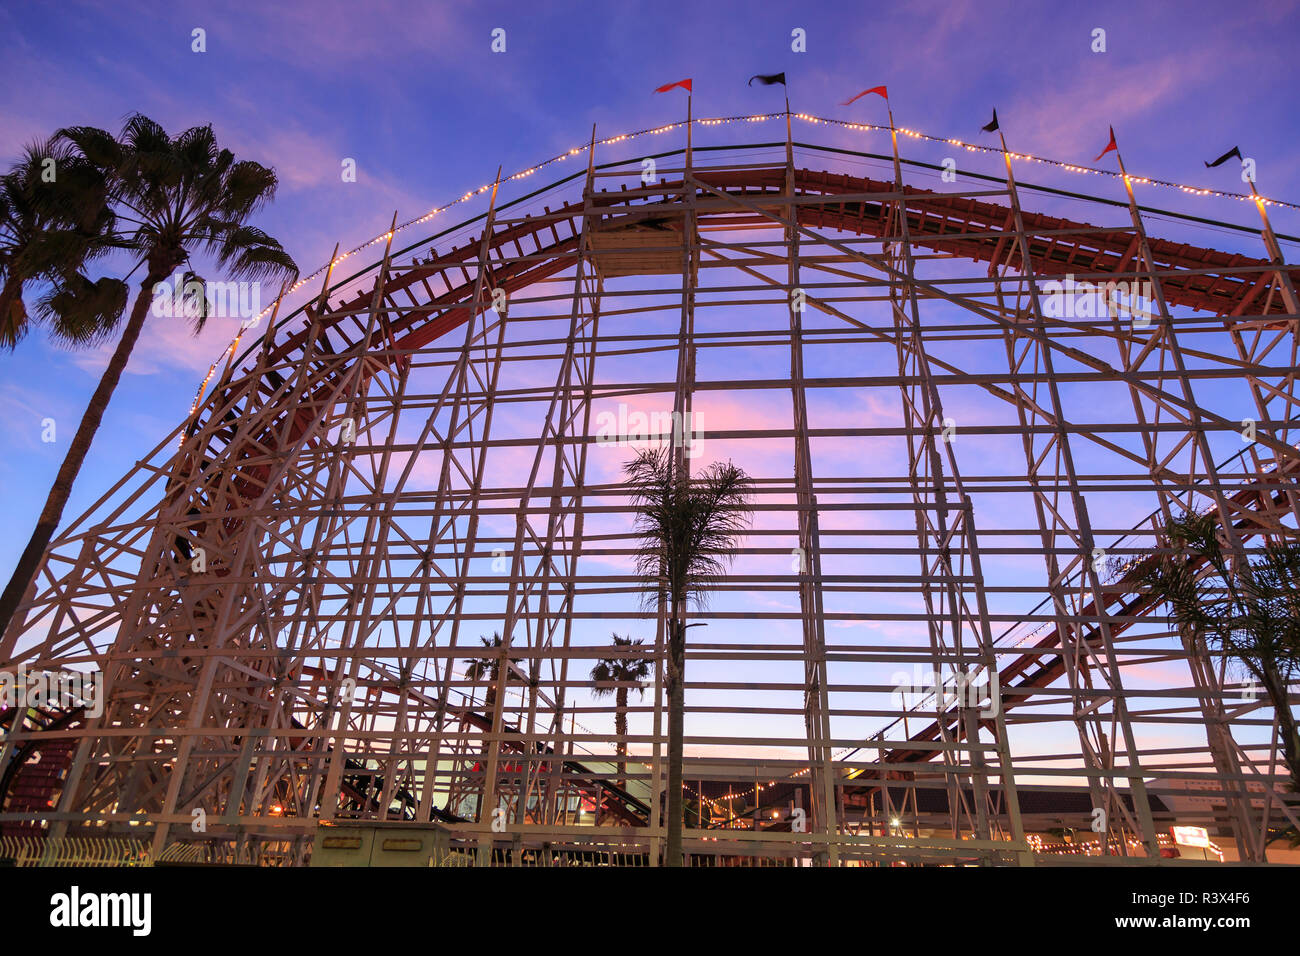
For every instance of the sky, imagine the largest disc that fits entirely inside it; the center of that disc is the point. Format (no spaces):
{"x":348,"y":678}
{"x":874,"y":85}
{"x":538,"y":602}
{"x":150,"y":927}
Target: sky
{"x":414,"y":94}
{"x":416,"y":97}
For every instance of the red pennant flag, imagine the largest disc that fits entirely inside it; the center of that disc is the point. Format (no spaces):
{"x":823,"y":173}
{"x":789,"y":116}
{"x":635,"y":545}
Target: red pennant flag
{"x":878,"y":90}
{"x":684,"y":84}
{"x":1111,"y":145}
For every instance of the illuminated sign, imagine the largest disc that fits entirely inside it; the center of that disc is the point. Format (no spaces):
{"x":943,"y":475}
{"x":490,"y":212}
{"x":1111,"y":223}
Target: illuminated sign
{"x":1190,"y":836}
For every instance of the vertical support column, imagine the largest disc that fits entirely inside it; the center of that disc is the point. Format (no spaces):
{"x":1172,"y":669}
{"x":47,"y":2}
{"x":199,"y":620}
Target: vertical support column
{"x":445,"y":509}
{"x":1137,"y":784}
{"x":1208,"y":688}
{"x":549,"y":793}
{"x":674,"y":631}
{"x":143,"y":595}
{"x":817,"y":720}
{"x":934,"y":535}
{"x":1270,"y":395}
{"x":330,"y":797}
{"x":557,"y":424}
{"x":1006,"y":766}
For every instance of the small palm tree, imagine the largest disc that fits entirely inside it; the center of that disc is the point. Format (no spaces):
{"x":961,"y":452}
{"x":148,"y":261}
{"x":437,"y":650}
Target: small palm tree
{"x":54,"y":219}
{"x":690,"y":528}
{"x":1249,"y":612}
{"x":618,"y":675}
{"x":489,"y":668}
{"x":172,"y":196}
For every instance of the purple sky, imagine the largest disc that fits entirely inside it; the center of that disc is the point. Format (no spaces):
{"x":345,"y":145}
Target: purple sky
{"x":414,"y":94}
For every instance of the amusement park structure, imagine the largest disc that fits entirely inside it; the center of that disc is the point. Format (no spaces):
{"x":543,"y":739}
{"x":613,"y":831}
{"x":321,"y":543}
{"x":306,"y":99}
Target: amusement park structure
{"x":953,"y":475}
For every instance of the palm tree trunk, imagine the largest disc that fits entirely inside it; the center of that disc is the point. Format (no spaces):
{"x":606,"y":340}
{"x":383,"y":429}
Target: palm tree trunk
{"x":620,"y":731}
{"x":676,"y":701}
{"x":52,"y":513}
{"x":1290,"y":747}
{"x":1286,"y":722}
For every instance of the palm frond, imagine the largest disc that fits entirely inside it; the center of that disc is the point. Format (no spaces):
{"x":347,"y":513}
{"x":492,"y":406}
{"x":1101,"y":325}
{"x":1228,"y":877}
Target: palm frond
{"x":54,"y":218}
{"x":479,"y":667}
{"x":248,"y":187}
{"x":13,"y":316}
{"x":246,"y":252}
{"x":176,"y":195}
{"x":98,"y":146}
{"x":624,"y":669}
{"x":196,"y":147}
{"x":144,"y":135}
{"x":1246,"y":608}
{"x":197,"y":307}
{"x":602,"y":679}
{"x":689,"y":529}
{"x":82,"y":312}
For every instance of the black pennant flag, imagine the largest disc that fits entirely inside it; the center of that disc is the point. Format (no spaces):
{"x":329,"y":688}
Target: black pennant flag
{"x":992,"y":125}
{"x":767,"y":79}
{"x":1235,"y":151}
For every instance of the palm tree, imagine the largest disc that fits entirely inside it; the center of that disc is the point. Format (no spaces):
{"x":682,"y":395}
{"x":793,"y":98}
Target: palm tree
{"x":54,"y":219}
{"x":172,"y":196}
{"x":689,"y":529}
{"x":489,"y":668}
{"x":1249,"y":612}
{"x":627,"y":673}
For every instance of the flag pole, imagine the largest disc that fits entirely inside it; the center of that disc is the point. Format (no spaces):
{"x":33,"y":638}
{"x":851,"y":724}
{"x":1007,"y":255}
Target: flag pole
{"x":689,"y":124}
{"x":689,"y":86}
{"x":1128,"y":186}
{"x":893,"y":139}
{"x":789,"y":143}
{"x":1275,"y":252}
{"x":898,"y":166}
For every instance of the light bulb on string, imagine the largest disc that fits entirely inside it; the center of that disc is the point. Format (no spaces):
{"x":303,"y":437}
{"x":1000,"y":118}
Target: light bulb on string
{"x":756,"y":118}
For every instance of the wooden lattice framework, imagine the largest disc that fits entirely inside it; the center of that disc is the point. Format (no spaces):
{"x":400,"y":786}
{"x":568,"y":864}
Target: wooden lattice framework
{"x":405,"y":464}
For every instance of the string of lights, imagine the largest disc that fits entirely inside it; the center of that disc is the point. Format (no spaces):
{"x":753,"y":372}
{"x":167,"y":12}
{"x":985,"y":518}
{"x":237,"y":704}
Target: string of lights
{"x":1093,"y":847}
{"x":1068,"y":167}
{"x":229,"y":352}
{"x":758,"y":787}
{"x":765,"y":117}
